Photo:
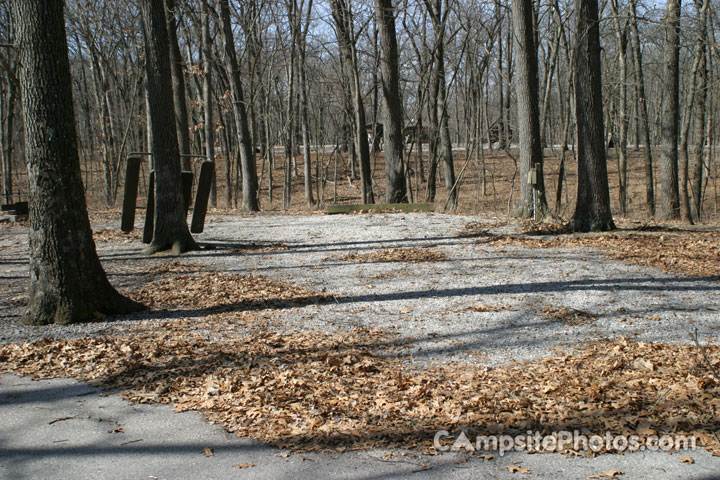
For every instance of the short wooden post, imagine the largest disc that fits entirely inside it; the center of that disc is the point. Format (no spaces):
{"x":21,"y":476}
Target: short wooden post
{"x":202,"y":196}
{"x":132,"y":177}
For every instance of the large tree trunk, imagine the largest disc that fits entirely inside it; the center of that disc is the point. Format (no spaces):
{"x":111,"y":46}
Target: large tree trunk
{"x":592,"y":210}
{"x":531,"y":151}
{"x":396,"y":186}
{"x":669,"y":194}
{"x":67,"y":282}
{"x":247,"y":153}
{"x":170,"y":230}
{"x":178,"y":84}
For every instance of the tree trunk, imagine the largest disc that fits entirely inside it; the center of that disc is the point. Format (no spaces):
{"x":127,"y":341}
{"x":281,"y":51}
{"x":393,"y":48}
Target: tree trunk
{"x":304,"y":101}
{"x":532,"y":195}
{"x":247,"y":152}
{"x":621,"y":146}
{"x":67,"y":281}
{"x":643,"y":113}
{"x":7,"y":153}
{"x":170,"y":230}
{"x":592,"y":210}
{"x":396,"y":186}
{"x":209,"y":120}
{"x":342,"y":16}
{"x":442,"y":144}
{"x":698,"y":150}
{"x":669,"y":194}
{"x":178,"y":84}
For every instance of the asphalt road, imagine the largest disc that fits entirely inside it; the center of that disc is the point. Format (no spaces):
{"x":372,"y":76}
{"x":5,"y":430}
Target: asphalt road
{"x":64,"y":429}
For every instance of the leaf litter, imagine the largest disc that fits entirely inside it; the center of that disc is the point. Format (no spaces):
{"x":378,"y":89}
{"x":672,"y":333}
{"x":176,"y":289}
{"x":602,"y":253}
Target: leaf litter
{"x":311,"y":391}
{"x":694,"y":253}
{"x":410,"y":255}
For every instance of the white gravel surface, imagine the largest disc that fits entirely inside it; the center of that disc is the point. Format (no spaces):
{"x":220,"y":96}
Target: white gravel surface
{"x":426,"y":302}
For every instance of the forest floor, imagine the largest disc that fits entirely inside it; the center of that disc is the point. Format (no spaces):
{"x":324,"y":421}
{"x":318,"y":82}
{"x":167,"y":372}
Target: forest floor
{"x":371,"y":332}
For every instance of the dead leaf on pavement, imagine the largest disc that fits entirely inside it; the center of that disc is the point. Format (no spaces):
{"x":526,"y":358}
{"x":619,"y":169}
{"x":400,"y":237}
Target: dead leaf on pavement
{"x":607,"y":474}
{"x":518,"y":469}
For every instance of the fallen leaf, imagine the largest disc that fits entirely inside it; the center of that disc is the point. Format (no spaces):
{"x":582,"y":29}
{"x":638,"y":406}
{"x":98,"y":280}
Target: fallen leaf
{"x":208,"y":452}
{"x":518,"y":469}
{"x":688,"y":460}
{"x":245,"y":465}
{"x":608,"y":474}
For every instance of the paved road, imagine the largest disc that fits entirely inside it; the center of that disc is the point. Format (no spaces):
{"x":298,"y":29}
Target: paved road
{"x":64,"y":429}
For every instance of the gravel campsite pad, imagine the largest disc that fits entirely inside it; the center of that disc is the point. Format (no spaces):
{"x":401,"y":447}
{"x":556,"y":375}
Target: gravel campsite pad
{"x":367,"y":330}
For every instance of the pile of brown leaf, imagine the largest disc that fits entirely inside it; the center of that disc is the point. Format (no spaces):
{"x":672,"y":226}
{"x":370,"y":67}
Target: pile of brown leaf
{"x":318,"y":391}
{"x":694,"y":253}
{"x":217,"y":290}
{"x":410,"y":255}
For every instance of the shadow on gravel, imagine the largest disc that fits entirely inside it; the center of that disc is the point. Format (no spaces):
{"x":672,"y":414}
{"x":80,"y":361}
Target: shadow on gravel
{"x":642,"y":284}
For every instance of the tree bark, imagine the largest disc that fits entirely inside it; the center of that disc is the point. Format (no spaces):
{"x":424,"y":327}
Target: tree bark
{"x":67,"y":281}
{"x":304,"y":100}
{"x":170,"y":230}
{"x":592,"y":210}
{"x":698,"y":150}
{"x":621,"y":146}
{"x":247,"y":153}
{"x":442,"y":144}
{"x":342,"y":16}
{"x":396,"y":186}
{"x":178,"y":84}
{"x":527,"y":89}
{"x":643,"y":113}
{"x":669,"y":194}
{"x":207,"y":86}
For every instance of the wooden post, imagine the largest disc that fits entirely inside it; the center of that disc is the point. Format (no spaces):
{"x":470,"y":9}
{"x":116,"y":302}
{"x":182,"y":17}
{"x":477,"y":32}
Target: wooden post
{"x":150,"y":210}
{"x":201,"y":196}
{"x":132,"y":177}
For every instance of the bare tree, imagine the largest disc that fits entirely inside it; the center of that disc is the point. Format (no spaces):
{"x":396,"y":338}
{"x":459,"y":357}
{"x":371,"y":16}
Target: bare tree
{"x":171,"y":229}
{"x":247,"y":154}
{"x":592,"y":210}
{"x":643,"y":112}
{"x":67,"y":281}
{"x":669,"y":194}
{"x":532,"y":190}
{"x":621,"y":33}
{"x":344,"y":29}
{"x":700,"y":74}
{"x":396,"y":188}
{"x":178,"y":83}
{"x":442,"y":145}
{"x":207,"y":92}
